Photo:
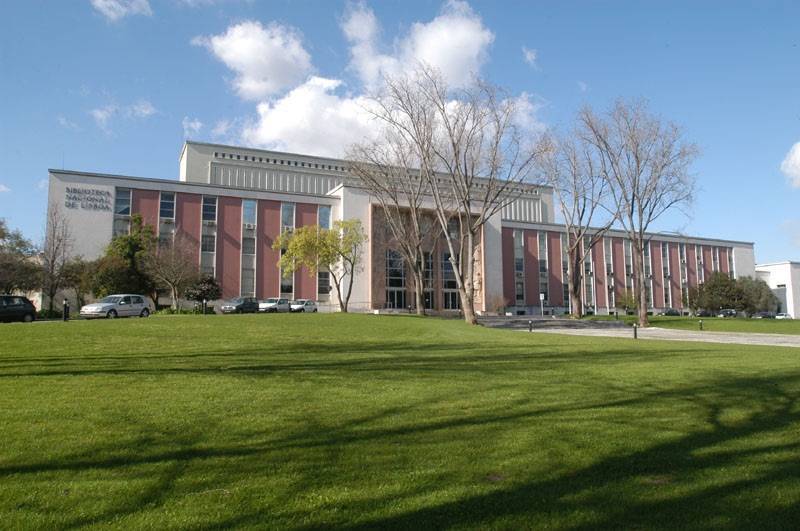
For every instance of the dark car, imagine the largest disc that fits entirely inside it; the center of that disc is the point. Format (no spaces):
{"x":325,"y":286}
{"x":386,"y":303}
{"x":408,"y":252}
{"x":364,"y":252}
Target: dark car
{"x":704,"y":313}
{"x":671,"y":312}
{"x":16,"y":308}
{"x":763,"y":315}
{"x":240,"y":305}
{"x":728,"y":312}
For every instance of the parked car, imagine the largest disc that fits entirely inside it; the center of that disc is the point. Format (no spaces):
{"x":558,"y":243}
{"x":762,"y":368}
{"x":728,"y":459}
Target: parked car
{"x":303,"y":305}
{"x":783,"y":316}
{"x":123,"y":305}
{"x":16,"y":308}
{"x":240,"y":305}
{"x":728,"y":312}
{"x":703,"y":313}
{"x":763,"y":315}
{"x":274,"y":305}
{"x":671,"y":312}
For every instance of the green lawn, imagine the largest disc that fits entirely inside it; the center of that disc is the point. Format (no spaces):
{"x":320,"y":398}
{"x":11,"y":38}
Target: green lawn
{"x":717,"y":324}
{"x":317,"y":421}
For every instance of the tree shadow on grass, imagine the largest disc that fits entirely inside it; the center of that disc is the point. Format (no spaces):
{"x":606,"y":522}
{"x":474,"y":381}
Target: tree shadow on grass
{"x":693,"y":480}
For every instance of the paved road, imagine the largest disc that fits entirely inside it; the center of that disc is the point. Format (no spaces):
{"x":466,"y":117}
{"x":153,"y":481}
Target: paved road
{"x":773,"y":340}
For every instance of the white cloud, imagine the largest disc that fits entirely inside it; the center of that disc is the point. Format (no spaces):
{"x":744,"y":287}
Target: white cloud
{"x":104,"y":115}
{"x":582,"y":86}
{"x":266,"y":60}
{"x":312,"y":118}
{"x":455,"y":42}
{"x":67,"y":124}
{"x":141,"y":109}
{"x":42,"y":184}
{"x":527,"y":109}
{"x":221,"y":128}
{"x":791,"y":165}
{"x":529,"y":56}
{"x":114,"y":10}
{"x":191,"y":126}
{"x":4,"y":189}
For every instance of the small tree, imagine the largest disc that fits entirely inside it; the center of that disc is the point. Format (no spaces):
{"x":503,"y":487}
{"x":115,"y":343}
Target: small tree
{"x":758,"y":297}
{"x":720,"y":291}
{"x":205,"y":288}
{"x":121,"y":269}
{"x":339,"y":250}
{"x":55,"y":254}
{"x":77,"y":276}
{"x":172,"y":265}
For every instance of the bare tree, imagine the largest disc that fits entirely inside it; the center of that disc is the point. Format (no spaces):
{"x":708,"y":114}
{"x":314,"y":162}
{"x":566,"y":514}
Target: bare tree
{"x":646,"y":163}
{"x":570,"y":165}
{"x":387,"y":168}
{"x":471,"y":155}
{"x":173,"y":265}
{"x":55,"y":254}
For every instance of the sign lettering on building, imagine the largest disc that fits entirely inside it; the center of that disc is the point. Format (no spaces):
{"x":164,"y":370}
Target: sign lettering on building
{"x":87,"y":198}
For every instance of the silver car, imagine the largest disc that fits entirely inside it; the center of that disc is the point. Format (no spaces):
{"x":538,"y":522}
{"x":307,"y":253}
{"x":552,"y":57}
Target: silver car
{"x":113,"y":306}
{"x":303,"y":305}
{"x":273,"y":305}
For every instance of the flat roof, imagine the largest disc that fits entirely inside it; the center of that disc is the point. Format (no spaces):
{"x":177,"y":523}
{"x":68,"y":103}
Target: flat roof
{"x":785,"y":262}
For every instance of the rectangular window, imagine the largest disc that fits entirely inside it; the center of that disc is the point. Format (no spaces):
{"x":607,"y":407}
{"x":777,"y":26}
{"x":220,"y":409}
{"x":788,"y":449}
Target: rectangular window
{"x":323,"y":282}
{"x":730,"y":262}
{"x":249,"y":212}
{"x":608,"y":257}
{"x":122,"y":202}
{"x":698,"y":253}
{"x":715,"y":260}
{"x":209,"y":208}
{"x":248,"y":282}
{"x":628,"y":250}
{"x":166,"y":209}
{"x":588,"y":274}
{"x":287,"y":283}
{"x":287,"y":217}
{"x":544,"y":284}
{"x":667,"y":270}
{"x":565,"y":270}
{"x":519,"y":267}
{"x":121,"y":227}
{"x":448,"y":275}
{"x":324,"y":216}
{"x":248,"y":245}
{"x":209,"y":243}
{"x":395,"y":280}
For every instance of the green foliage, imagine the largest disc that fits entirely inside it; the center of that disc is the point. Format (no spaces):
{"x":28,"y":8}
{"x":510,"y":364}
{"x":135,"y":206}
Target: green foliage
{"x":373,"y":422}
{"x":205,"y":288}
{"x":627,"y":301}
{"x":19,"y":269}
{"x":743,"y":294}
{"x":337,"y":250}
{"x":122,"y":269}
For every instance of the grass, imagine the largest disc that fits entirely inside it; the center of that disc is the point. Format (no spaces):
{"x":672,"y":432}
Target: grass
{"x":716,"y":324}
{"x":360,"y":421}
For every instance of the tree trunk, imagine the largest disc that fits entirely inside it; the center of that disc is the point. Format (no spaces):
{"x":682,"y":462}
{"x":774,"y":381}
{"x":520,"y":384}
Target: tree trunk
{"x":575,"y":285}
{"x":639,"y":290}
{"x":419,"y":293}
{"x":173,"y":291}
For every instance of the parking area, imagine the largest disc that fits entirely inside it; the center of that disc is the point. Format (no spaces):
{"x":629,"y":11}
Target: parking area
{"x":663,"y":334}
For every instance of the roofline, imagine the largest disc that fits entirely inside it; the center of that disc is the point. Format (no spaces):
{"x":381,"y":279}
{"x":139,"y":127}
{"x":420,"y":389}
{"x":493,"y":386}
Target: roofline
{"x":302,"y":155}
{"x":231,"y":190}
{"x":785,"y":262}
{"x":616,"y":232}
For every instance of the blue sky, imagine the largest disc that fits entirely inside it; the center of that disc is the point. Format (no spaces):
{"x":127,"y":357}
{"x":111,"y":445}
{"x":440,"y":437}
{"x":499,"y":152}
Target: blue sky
{"x":117,"y":85}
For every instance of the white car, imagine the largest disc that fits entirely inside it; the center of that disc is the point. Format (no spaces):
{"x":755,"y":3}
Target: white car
{"x":274,"y":305}
{"x":125,"y":305}
{"x":303,"y":305}
{"x":782,"y":316}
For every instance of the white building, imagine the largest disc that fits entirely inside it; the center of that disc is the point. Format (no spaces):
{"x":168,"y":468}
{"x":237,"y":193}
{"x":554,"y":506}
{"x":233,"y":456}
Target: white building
{"x":784,"y":280}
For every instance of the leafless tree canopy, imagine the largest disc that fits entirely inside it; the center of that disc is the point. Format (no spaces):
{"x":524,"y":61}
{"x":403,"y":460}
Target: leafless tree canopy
{"x":571,"y":165}
{"x":173,"y":265}
{"x":646,"y":163}
{"x":471,"y":153}
{"x":56,"y":251}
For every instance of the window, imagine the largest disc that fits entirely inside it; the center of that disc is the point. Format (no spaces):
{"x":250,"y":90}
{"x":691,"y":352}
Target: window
{"x":628,"y":251}
{"x":519,"y":267}
{"x":209,"y":243}
{"x":454,"y":229}
{"x":544,"y":287}
{"x":209,"y":208}
{"x":249,"y":211}
{"x":248,"y":245}
{"x":698,"y":253}
{"x":323,"y":282}
{"x":248,"y":283}
{"x":287,"y":217}
{"x":324,"y":216}
{"x":166,"y":208}
{"x":287,"y":283}
{"x":588,"y":274}
{"x":730,"y":262}
{"x":715,"y":259}
{"x":666,"y":268}
{"x":448,"y":275}
{"x":122,"y":202}
{"x":395,"y":280}
{"x":451,"y":300}
{"x":565,"y":270}
{"x":608,"y":257}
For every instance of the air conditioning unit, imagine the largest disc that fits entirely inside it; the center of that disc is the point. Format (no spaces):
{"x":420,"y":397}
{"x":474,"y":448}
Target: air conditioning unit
{"x":249,"y":225}
{"x":168,"y":221}
{"x":209,"y":223}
